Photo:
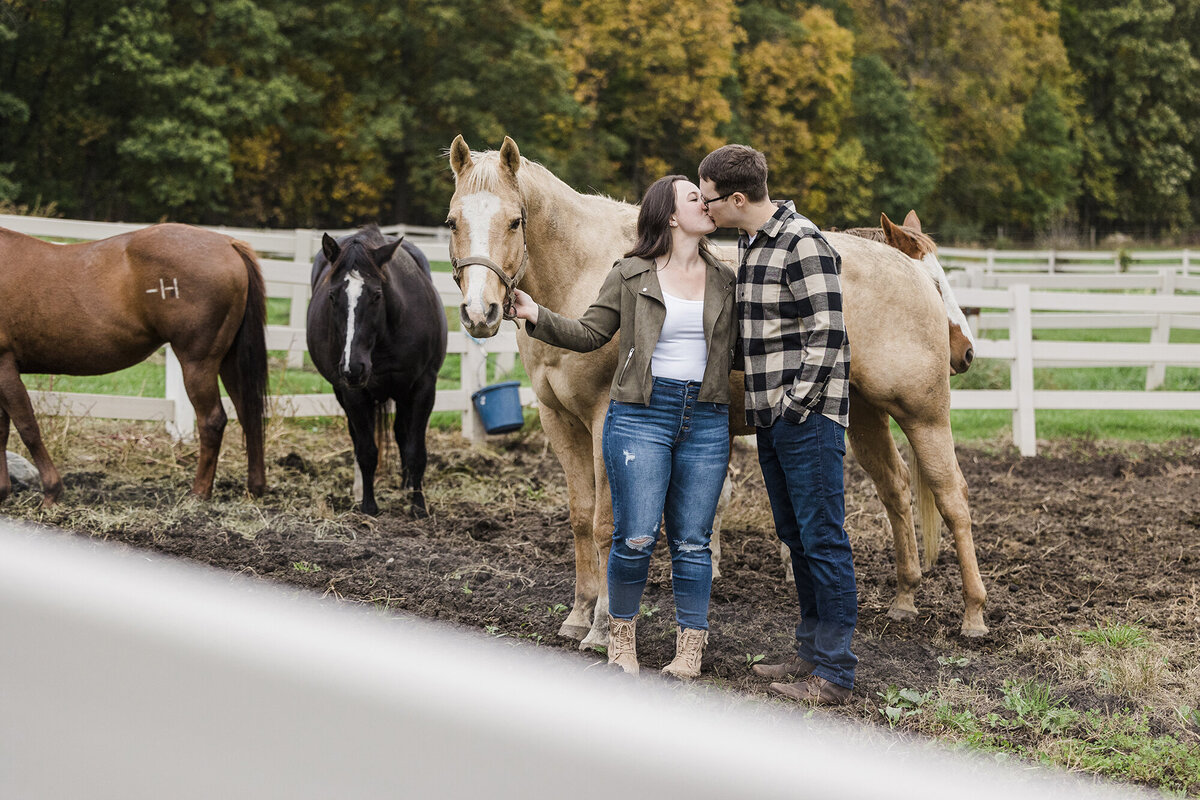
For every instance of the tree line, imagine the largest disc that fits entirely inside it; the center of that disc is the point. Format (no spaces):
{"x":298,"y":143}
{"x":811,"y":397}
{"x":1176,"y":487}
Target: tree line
{"x":1025,"y":117}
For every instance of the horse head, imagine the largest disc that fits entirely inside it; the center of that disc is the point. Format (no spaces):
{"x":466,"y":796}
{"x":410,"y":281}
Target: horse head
{"x":487,"y":233}
{"x":356,"y":301}
{"x":914,"y":243}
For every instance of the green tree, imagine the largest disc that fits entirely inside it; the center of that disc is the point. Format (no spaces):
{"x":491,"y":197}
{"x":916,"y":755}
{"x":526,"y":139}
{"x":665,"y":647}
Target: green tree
{"x":131,"y":108}
{"x":1047,"y":162}
{"x":884,"y":123}
{"x":971,"y":66}
{"x":1142,"y":97}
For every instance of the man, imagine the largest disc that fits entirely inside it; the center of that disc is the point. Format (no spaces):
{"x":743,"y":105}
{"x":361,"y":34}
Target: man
{"x":797,"y":361}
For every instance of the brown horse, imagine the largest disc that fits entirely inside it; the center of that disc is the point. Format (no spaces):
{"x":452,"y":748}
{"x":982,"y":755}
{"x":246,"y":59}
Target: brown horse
{"x":510,"y":217}
{"x":87,"y":309}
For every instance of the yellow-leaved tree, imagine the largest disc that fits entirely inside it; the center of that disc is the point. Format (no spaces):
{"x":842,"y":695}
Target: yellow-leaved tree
{"x":648,"y":75}
{"x":796,"y":83}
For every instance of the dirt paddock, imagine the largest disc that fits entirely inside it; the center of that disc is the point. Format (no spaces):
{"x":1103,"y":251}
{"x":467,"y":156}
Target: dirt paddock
{"x":1083,"y":536}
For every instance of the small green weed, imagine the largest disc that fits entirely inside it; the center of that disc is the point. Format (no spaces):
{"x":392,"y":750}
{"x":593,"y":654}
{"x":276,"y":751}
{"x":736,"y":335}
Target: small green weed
{"x":901,"y":703}
{"x":752,"y":659}
{"x":1037,"y":708}
{"x":556,"y":610}
{"x":647,"y":612}
{"x":1116,"y":635}
{"x":953,"y":661}
{"x":305,"y":566}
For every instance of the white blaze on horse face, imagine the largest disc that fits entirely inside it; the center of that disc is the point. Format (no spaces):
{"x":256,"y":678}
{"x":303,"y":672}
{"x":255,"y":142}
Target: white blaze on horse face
{"x":953,"y":312}
{"x":354,"y":287}
{"x":478,"y":210}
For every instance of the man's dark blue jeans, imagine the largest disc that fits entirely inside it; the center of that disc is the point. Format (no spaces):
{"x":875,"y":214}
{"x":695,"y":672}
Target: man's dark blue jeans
{"x":802,"y":466}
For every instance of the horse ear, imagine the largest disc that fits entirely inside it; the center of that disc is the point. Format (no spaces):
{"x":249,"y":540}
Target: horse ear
{"x":912,"y":221}
{"x":382,"y":255}
{"x":330,"y":248}
{"x":460,"y":155}
{"x":510,"y":156}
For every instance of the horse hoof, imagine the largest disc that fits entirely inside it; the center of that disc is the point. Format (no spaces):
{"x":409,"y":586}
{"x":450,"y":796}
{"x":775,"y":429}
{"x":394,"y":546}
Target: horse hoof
{"x":596,"y":640}
{"x":974,"y":631}
{"x":420,"y":512}
{"x":371,"y":510}
{"x":902,"y":614}
{"x":576,"y":632}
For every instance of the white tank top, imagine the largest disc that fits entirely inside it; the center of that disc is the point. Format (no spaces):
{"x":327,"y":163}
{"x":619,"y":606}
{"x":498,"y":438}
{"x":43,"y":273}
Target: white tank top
{"x":681,"y":352}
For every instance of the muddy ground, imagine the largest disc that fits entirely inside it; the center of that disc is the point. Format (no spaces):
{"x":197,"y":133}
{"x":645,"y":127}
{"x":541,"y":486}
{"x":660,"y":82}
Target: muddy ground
{"x":1084,"y":535}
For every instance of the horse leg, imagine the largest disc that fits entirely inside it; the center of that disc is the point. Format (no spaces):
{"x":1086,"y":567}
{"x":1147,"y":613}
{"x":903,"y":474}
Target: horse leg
{"x":360,"y":419}
{"x":714,"y":545}
{"x":602,"y":528}
{"x":573,"y":446}
{"x":14,"y":401}
{"x":200,"y":381}
{"x":409,"y":427}
{"x":873,"y":446}
{"x":933,"y":449}
{"x":252,"y":428}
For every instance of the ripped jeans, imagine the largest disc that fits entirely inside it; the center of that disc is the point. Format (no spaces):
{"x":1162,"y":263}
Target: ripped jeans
{"x":665,"y":462}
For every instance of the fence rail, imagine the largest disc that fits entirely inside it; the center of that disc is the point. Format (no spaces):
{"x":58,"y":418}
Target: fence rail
{"x":1003,"y":285}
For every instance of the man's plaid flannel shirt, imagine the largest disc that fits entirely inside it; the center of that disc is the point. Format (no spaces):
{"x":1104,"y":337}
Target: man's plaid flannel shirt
{"x":789,"y":293}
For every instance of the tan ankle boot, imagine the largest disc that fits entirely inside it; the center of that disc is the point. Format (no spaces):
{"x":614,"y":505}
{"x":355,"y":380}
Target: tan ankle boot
{"x":689,"y":649}
{"x":622,"y":644}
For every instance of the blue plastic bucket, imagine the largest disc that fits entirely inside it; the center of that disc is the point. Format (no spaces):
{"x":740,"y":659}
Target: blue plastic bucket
{"x":499,"y":407}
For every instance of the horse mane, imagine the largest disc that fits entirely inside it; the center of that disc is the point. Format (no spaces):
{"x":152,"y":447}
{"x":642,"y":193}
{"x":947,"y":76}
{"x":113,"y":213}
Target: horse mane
{"x":486,"y":176}
{"x":876,"y":235}
{"x":355,"y":253}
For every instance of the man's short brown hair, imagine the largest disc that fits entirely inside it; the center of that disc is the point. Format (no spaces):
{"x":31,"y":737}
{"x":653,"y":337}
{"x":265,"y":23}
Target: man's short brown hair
{"x":736,"y":168}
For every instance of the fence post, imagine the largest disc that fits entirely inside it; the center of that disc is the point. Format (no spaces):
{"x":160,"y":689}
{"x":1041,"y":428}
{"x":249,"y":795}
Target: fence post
{"x":1156,"y":373}
{"x":298,"y":307}
{"x":474,"y":377}
{"x":1051,"y":260}
{"x":183,"y":426}
{"x":1021,"y":333}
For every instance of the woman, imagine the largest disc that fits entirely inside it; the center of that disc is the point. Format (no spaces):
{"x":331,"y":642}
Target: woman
{"x":666,"y":436}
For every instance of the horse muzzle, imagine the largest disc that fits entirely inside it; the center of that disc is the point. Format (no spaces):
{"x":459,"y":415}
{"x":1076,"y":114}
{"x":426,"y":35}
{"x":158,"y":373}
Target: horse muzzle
{"x":481,"y":322}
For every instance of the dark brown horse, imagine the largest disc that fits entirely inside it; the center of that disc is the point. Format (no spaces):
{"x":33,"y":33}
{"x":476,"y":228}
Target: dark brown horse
{"x":88,"y":309}
{"x":377,"y":332}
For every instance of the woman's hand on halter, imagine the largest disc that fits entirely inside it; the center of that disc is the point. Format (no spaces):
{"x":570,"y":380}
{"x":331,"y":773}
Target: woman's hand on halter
{"x":524,"y":307}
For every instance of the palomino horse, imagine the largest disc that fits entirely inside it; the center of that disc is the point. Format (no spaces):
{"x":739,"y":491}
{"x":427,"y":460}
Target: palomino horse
{"x":87,"y":309}
{"x":377,"y":332}
{"x":909,"y":239}
{"x":513,"y":218}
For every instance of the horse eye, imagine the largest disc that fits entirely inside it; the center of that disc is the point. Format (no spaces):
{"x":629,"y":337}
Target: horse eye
{"x":516,"y":223}
{"x":452,"y":224}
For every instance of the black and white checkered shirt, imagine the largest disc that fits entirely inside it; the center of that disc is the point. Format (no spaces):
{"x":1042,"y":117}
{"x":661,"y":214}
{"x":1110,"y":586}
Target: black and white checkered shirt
{"x":789,"y":294}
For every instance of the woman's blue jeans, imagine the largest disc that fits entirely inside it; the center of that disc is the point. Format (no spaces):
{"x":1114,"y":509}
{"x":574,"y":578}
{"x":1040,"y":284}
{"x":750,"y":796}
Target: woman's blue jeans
{"x":802,"y":466}
{"x":665,"y":461}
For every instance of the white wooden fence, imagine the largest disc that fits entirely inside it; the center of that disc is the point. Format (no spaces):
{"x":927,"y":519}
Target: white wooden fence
{"x":999,"y":282}
{"x":1015,"y":309}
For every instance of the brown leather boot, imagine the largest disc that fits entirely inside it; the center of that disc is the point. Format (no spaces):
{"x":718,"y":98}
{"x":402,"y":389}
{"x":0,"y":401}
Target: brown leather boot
{"x":622,"y":644}
{"x":815,"y":691}
{"x":788,"y":669}
{"x":689,"y":649}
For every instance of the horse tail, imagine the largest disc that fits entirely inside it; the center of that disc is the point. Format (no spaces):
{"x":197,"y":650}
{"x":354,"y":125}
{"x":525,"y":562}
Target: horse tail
{"x":247,"y":359}
{"x":927,"y":513}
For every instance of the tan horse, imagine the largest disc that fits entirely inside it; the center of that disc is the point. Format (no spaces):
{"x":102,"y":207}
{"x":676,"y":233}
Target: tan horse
{"x":510,"y":217}
{"x":88,"y":309}
{"x":909,"y":239}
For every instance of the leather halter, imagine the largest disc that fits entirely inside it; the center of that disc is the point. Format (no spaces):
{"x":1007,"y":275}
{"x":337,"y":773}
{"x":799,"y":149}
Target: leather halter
{"x":457,"y":265}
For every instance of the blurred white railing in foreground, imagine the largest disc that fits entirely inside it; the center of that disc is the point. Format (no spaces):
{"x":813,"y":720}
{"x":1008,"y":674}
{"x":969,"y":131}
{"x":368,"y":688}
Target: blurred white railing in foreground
{"x":127,"y":675}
